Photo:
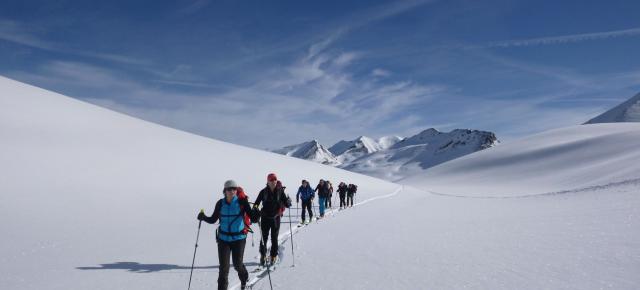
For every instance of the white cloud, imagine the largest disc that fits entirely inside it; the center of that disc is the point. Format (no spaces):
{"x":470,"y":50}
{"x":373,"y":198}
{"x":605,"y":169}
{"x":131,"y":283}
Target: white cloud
{"x":313,"y":97}
{"x":193,"y":7}
{"x":378,"y":72}
{"x":562,"y":38}
{"x":21,"y":34}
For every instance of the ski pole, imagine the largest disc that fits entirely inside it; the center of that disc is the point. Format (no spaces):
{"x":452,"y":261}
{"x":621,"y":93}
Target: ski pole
{"x":293,"y":255}
{"x":194,"y":251}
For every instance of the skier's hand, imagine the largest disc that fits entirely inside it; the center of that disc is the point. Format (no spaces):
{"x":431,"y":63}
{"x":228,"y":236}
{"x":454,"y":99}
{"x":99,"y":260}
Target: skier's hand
{"x":288,"y":202}
{"x":297,"y":200}
{"x":201,"y":216}
{"x":254,"y":215}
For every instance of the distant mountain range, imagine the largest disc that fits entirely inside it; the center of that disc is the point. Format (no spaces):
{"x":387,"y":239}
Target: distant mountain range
{"x":393,"y":157}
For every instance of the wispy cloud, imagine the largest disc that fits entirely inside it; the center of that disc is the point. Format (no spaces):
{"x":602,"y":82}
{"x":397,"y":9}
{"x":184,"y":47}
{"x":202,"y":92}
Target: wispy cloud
{"x":18,"y":33}
{"x":564,"y":75}
{"x":378,"y":72}
{"x":193,"y":7}
{"x":571,"y":38}
{"x":363,"y":18}
{"x":312,"y":97}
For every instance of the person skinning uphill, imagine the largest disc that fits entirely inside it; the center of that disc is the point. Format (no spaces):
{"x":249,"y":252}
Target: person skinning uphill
{"x":328,"y":202}
{"x":306,"y":194}
{"x":274,"y":201}
{"x":323,"y":193}
{"x":351,"y":191}
{"x":342,"y":192}
{"x":233,"y":211}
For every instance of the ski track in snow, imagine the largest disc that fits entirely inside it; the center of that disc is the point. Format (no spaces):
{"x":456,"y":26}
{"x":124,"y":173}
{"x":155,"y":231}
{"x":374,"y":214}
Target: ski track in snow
{"x":284,"y":237}
{"x":634,"y":181}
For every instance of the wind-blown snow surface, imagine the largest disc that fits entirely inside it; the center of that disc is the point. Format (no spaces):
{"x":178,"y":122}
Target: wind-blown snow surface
{"x":584,"y":240}
{"x":93,"y":199}
{"x":562,"y":159}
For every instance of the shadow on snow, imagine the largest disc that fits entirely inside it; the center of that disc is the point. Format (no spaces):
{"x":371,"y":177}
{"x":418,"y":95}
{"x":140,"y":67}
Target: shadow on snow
{"x":149,"y":268}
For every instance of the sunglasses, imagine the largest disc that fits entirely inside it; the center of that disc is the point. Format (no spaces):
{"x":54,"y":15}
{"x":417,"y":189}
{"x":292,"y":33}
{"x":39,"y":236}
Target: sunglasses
{"x":231,"y":189}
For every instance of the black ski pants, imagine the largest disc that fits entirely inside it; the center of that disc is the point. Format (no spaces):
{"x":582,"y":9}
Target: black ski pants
{"x":234,"y":249}
{"x":343,"y":203}
{"x":269,"y":225}
{"x":306,"y":206}
{"x":349,"y":199}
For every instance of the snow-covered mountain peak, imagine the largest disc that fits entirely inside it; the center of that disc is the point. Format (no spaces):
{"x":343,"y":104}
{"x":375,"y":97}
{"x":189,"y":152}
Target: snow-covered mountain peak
{"x":629,"y":111}
{"x":368,"y":144}
{"x":361,"y":144}
{"x":419,"y":138}
{"x":311,"y":150}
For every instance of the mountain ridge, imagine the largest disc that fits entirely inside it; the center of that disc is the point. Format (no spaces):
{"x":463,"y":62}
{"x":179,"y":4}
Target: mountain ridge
{"x":393,"y":157}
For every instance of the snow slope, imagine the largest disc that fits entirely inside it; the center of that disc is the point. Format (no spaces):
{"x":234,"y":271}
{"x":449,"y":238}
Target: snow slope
{"x":93,"y":199}
{"x":581,"y":240}
{"x":629,"y":111}
{"x":558,"y":160}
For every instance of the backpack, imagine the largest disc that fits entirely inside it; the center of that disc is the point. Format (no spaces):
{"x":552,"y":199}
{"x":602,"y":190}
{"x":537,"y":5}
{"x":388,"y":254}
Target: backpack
{"x":282,"y":206}
{"x":247,"y":218}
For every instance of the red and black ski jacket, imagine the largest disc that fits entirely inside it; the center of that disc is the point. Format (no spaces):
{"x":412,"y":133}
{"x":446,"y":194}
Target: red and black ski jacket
{"x":273,"y":201}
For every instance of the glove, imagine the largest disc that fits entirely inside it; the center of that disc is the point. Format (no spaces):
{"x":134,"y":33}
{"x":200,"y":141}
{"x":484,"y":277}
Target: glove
{"x":254,"y":215}
{"x":288,"y":202}
{"x":201,"y":216}
{"x":297,"y":200}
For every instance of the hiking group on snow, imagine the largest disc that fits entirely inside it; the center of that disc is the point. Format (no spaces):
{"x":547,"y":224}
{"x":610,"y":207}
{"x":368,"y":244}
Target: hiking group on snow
{"x":235,"y":216}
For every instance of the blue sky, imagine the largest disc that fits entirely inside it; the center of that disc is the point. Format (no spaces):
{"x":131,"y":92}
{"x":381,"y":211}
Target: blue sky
{"x":267,"y":74}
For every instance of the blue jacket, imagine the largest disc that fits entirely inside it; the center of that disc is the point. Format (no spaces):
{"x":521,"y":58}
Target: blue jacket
{"x":231,"y":216}
{"x":306,"y":193}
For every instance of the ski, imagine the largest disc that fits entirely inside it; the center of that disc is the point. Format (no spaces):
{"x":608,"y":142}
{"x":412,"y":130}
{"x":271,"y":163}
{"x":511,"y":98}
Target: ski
{"x":260,"y":272}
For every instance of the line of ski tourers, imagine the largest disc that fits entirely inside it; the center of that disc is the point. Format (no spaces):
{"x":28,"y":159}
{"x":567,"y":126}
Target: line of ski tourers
{"x":235,"y":215}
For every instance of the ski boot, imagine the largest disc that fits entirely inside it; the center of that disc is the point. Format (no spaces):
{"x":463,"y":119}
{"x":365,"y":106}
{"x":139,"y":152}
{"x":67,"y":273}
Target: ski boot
{"x":263,"y":261}
{"x":273,"y":260}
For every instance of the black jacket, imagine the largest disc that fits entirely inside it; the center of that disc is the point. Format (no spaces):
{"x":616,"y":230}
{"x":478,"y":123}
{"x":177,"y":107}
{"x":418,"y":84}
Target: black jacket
{"x":272,"y":201}
{"x":323,"y":190}
{"x":342,"y":189}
